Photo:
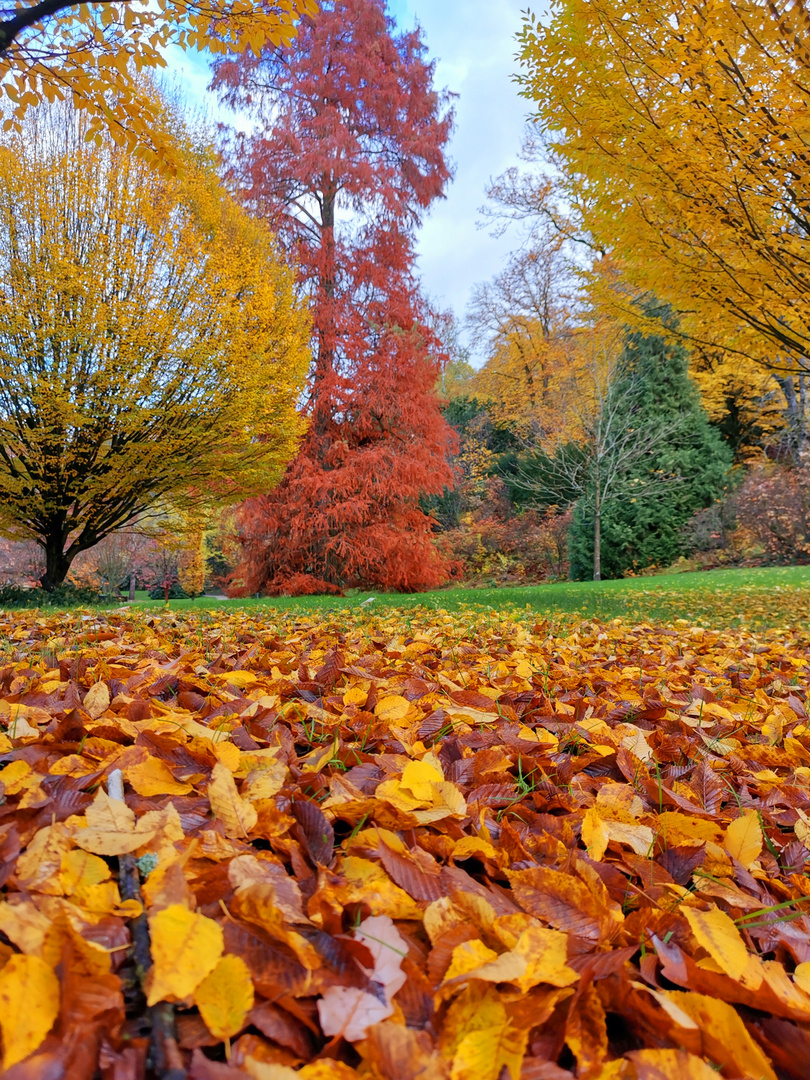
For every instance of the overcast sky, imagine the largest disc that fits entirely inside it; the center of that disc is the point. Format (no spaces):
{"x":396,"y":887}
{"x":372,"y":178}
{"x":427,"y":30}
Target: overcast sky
{"x":473,"y":42}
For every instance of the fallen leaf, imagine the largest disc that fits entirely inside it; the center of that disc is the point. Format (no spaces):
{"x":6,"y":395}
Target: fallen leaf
{"x":743,"y":840}
{"x":237,"y":815}
{"x":718,"y":935}
{"x":225,"y":997}
{"x":349,"y":1012}
{"x":29,"y":1006}
{"x":185,"y":948}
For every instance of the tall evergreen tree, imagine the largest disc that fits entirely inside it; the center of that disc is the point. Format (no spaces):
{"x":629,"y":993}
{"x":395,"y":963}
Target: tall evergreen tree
{"x":683,"y":471}
{"x":347,"y":155}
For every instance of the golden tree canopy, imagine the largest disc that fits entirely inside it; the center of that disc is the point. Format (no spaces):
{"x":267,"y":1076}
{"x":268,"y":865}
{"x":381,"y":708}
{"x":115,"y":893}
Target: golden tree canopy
{"x":92,"y":53}
{"x":682,"y":133}
{"x":151,"y":344}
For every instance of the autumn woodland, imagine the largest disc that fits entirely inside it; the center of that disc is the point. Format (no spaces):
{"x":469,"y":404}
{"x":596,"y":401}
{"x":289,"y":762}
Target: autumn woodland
{"x":394,"y":691}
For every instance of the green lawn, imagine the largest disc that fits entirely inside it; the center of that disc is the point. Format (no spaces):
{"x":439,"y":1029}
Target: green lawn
{"x":778,"y":596}
{"x":772,"y":597}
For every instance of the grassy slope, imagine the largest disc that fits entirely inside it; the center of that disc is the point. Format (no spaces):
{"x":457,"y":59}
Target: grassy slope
{"x":764,"y":597}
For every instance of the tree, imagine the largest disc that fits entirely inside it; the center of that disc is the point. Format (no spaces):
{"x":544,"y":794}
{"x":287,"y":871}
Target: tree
{"x":92,"y":53}
{"x":747,"y":404}
{"x":520,"y":316}
{"x":637,"y":458}
{"x":654,"y":461}
{"x":681,"y":133}
{"x":191,"y":571}
{"x":151,"y":346}
{"x":523,"y":315}
{"x":347,"y":156}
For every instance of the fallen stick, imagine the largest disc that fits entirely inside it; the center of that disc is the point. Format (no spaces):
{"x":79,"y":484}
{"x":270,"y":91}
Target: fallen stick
{"x":164,"y":1053}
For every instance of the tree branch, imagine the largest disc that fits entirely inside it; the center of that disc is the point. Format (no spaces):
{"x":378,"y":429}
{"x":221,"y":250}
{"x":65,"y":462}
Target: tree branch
{"x":27,"y":17}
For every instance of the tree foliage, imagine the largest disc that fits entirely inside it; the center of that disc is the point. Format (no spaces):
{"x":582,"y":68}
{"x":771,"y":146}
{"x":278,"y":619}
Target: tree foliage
{"x":151,"y":345}
{"x":657,"y":460}
{"x":92,"y":54}
{"x":681,"y":133}
{"x":347,"y":155}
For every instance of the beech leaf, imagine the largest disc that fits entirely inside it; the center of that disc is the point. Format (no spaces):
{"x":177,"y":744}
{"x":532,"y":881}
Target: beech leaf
{"x":29,"y":1005}
{"x":185,"y":948}
{"x":225,"y":997}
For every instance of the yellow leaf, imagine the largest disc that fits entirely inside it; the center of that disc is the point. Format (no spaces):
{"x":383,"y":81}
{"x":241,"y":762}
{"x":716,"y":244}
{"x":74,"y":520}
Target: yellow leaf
{"x":38,"y":866}
{"x":725,"y":1037}
{"x":228,"y":753}
{"x":97,"y":699}
{"x":670,"y":1065}
{"x":24,"y":925}
{"x":717,"y":934}
{"x":14,"y":777}
{"x":743,"y":840}
{"x":772,"y":728}
{"x":801,"y":976}
{"x":236,"y":814}
{"x":111,"y":828}
{"x":594,"y":834}
{"x":265,"y":782}
{"x":468,"y":957}
{"x":267,"y":1070}
{"x":29,"y":1005}
{"x":225,"y":997}
{"x":154,"y":777}
{"x":423,"y":792}
{"x":471,"y":846}
{"x":240,"y":679}
{"x":538,"y":957}
{"x":185,"y":948}
{"x":80,"y":870}
{"x":327,"y":1070}
{"x":545,"y":954}
{"x":639,"y":838}
{"x":483,"y":1054}
{"x":392,"y":708}
{"x":355,"y":695}
{"x":418,"y":777}
{"x":366,"y":882}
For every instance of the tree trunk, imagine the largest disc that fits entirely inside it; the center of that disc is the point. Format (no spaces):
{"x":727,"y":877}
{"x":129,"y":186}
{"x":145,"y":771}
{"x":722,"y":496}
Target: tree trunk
{"x":57,"y":564}
{"x":132,"y":582}
{"x":597,"y":532}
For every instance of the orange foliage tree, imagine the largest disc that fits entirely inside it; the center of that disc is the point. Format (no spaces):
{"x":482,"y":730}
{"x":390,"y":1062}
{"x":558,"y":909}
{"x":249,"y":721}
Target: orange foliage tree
{"x":347,"y":155}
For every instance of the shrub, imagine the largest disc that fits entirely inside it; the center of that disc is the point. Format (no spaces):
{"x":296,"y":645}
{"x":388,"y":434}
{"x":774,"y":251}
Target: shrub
{"x":773,"y":513}
{"x":304,"y":585}
{"x":65,"y":595}
{"x":174,"y":591}
{"x":509,"y":550}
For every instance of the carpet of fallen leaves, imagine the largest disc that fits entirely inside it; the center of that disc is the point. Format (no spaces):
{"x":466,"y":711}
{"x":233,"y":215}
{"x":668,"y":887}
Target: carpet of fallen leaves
{"x":465,"y":847}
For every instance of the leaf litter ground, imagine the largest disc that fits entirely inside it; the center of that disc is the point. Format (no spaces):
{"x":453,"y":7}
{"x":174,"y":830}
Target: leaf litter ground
{"x":472,"y":847}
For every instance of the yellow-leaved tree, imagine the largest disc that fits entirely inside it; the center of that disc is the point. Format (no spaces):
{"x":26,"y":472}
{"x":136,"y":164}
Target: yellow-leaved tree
{"x":152,"y":348}
{"x":93,"y":54}
{"x":681,"y":132}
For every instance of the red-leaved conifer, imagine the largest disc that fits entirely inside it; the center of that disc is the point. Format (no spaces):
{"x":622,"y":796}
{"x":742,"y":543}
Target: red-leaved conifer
{"x":347,"y":154}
